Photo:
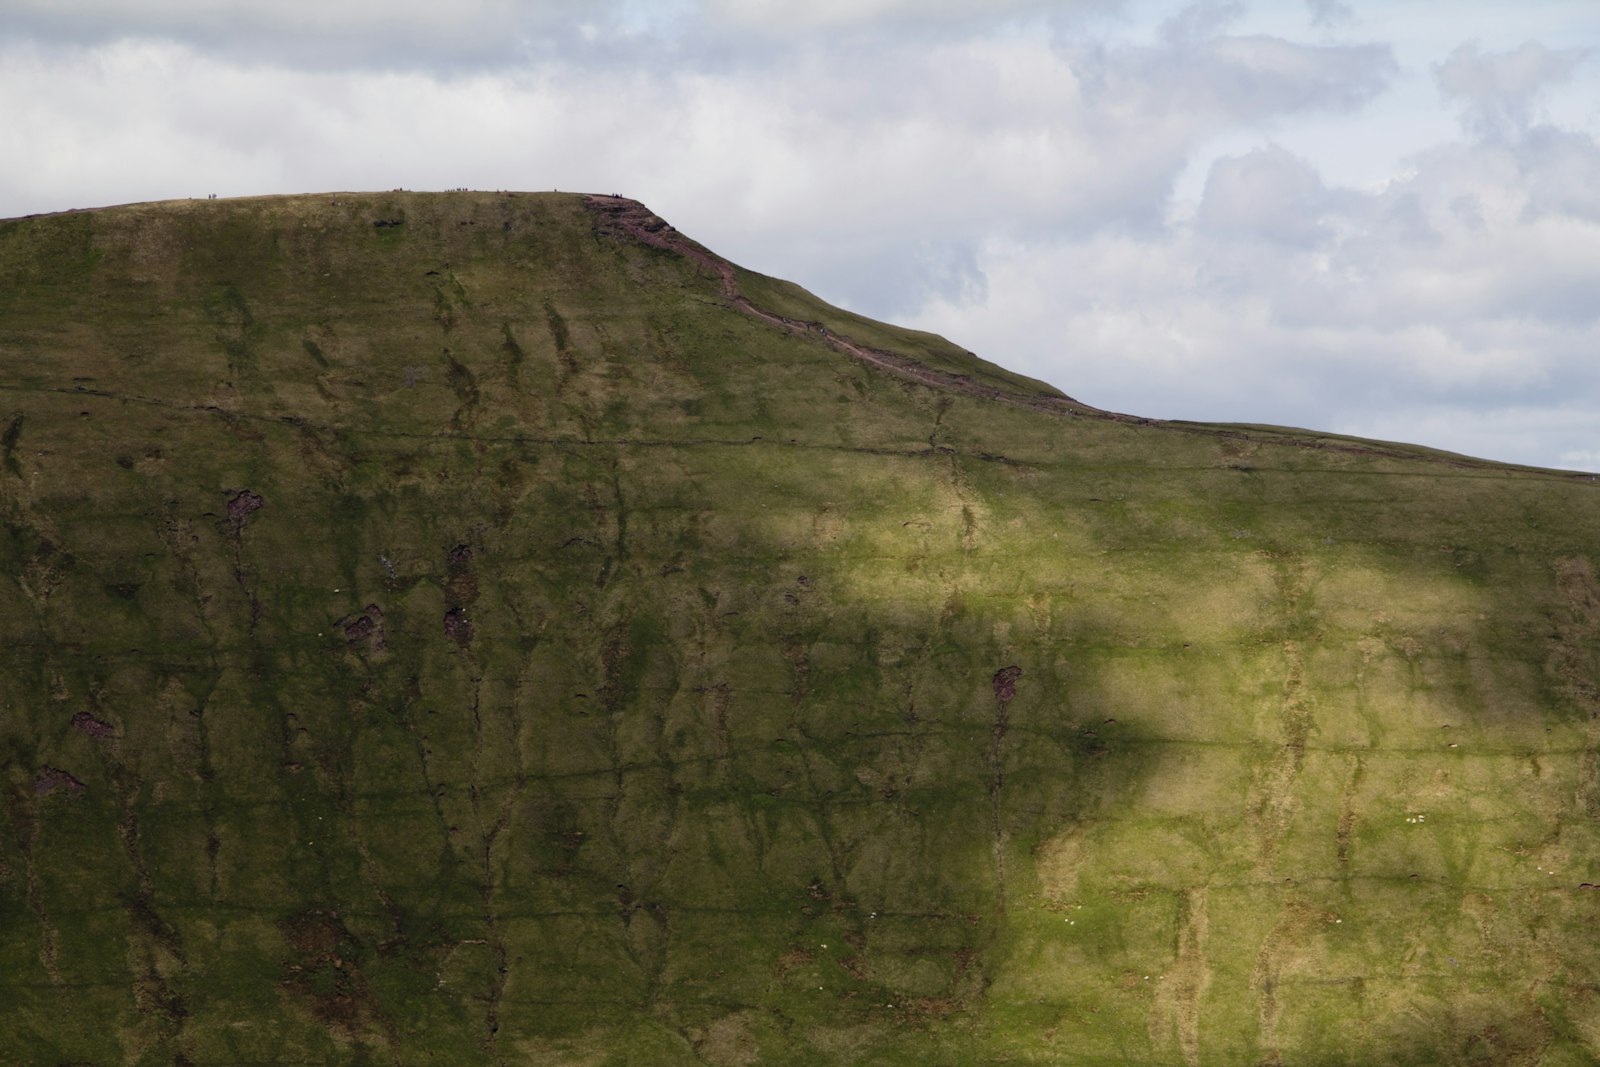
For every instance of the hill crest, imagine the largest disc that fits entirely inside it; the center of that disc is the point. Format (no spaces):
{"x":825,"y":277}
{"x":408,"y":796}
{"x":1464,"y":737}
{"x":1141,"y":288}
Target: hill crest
{"x":492,"y":627}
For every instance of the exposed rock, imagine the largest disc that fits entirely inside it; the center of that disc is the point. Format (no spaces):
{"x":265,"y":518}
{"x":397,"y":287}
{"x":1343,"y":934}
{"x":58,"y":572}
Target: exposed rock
{"x":242,"y":505}
{"x":85,"y":723}
{"x":1005,"y":683}
{"x":53,"y":780}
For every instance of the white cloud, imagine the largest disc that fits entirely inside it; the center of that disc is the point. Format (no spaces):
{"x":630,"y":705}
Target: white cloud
{"x":1584,"y":459}
{"x":1561,"y":436}
{"x":1469,"y":280}
{"x":1267,"y":194}
{"x":330,"y":34}
{"x":785,"y":16}
{"x":311,"y":15}
{"x":995,"y":172}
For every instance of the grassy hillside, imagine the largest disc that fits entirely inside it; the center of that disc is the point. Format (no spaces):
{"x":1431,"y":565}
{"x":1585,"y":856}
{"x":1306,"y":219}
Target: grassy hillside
{"x":458,"y":628}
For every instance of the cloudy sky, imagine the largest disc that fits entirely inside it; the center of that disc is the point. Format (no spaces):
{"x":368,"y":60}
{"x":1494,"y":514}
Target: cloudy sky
{"x":1378,"y":217}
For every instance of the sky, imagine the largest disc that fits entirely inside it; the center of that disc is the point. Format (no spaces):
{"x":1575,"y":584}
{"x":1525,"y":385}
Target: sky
{"x":1365,"y":217}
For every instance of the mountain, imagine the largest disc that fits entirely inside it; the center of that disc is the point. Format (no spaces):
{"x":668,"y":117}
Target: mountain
{"x":493,"y":628}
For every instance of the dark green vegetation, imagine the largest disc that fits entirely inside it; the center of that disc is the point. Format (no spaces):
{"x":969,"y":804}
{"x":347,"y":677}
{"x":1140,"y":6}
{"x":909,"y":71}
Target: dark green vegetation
{"x":475,"y":628}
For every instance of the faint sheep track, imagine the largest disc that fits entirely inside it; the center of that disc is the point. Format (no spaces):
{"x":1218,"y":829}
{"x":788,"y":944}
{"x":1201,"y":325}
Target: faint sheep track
{"x":1175,"y":1012}
{"x":623,"y":217}
{"x":1004,"y":684}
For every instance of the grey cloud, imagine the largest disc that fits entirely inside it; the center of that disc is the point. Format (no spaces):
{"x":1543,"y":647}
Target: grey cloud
{"x":961,"y":166}
{"x":1499,"y":89}
{"x":784,"y":17}
{"x":1143,"y":109}
{"x":989,"y":134}
{"x":1329,"y":13}
{"x":467,"y":35}
{"x":1465,"y":286}
{"x":1278,"y":76}
{"x":1242,"y":78}
{"x":1479,"y":232}
{"x":1200,"y":21}
{"x":1562,"y":172}
{"x":400,"y":34}
{"x":1562,"y":434}
{"x":891,"y":283}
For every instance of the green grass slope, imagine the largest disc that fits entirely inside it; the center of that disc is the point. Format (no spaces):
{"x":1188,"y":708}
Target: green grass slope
{"x":477,"y":628}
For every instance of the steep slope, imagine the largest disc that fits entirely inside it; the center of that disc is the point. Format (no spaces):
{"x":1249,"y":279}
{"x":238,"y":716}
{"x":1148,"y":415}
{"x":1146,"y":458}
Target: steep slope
{"x":492,"y":628}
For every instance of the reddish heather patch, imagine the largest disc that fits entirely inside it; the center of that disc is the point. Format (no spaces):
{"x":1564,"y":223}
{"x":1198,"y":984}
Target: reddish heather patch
{"x":458,"y":627}
{"x":242,"y":506}
{"x":460,"y":591}
{"x":365,"y":628}
{"x":85,"y":723}
{"x":53,"y":779}
{"x":1005,"y":683}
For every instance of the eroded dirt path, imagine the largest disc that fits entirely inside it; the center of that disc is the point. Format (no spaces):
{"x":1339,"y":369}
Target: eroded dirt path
{"x":631,"y":220}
